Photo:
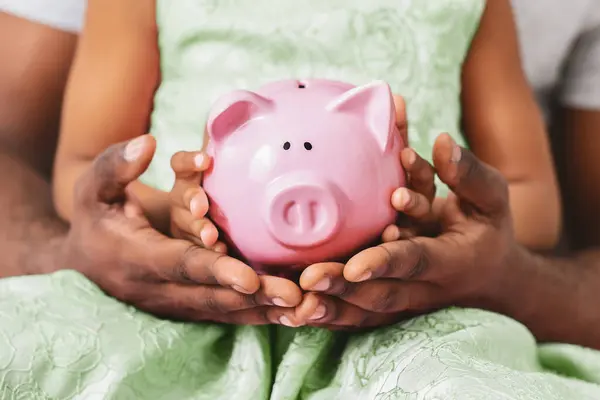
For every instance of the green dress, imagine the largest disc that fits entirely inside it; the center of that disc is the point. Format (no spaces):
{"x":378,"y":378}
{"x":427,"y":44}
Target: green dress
{"x":62,"y":338}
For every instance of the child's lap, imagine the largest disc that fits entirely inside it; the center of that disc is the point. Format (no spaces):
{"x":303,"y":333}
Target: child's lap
{"x":61,"y":337}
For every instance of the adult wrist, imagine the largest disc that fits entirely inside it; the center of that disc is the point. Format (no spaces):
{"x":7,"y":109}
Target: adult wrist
{"x":513,"y":291}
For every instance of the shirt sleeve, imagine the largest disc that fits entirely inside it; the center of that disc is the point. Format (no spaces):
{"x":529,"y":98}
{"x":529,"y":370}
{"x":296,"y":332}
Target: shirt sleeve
{"x":581,"y":83}
{"x":67,"y":15}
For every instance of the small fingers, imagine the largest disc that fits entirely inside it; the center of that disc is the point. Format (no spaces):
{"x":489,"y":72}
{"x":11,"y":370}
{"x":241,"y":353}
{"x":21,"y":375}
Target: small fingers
{"x":393,"y":232}
{"x":189,"y":165}
{"x":283,"y":296}
{"x":207,"y":232}
{"x":189,"y":196}
{"x":421,"y":173}
{"x":196,"y":201}
{"x":189,"y":207}
{"x":325,"y":277}
{"x":412,"y":204}
{"x":277,"y":291}
{"x":187,"y":192}
{"x":220,"y":247}
{"x":284,"y":316}
{"x":401,"y":119}
{"x":335,"y":313}
{"x":319,"y":309}
{"x":200,"y":231}
{"x":390,"y":234}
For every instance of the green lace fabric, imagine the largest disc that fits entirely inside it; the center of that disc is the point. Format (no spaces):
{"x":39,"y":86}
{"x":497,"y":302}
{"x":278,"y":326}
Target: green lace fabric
{"x":63,"y":338}
{"x":210,"y":47}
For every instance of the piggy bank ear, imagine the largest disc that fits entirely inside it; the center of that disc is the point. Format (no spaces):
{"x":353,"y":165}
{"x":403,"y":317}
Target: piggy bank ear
{"x":234,"y":110}
{"x":375,"y":103}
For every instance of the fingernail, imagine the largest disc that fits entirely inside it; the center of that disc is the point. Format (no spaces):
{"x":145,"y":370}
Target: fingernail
{"x":412,"y":157}
{"x":319,"y":313}
{"x":220,"y":248}
{"x":199,"y":160}
{"x":194,"y":207}
{"x":279,"y":302}
{"x":365,"y":277}
{"x":456,"y":152}
{"x":204,"y":233}
{"x":134,"y":149}
{"x":394,"y":233}
{"x":283,"y":320}
{"x":403,"y":197}
{"x":322,"y":285}
{"x":240,"y":289}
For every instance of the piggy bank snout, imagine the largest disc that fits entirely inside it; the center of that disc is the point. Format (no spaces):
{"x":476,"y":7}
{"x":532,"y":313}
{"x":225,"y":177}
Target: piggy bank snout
{"x":303,"y":211}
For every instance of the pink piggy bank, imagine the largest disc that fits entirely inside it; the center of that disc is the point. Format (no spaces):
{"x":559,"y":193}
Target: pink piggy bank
{"x":303,"y":172}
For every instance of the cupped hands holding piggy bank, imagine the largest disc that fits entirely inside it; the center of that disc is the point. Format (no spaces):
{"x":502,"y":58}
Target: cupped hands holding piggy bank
{"x":303,"y":172}
{"x":299,"y":176}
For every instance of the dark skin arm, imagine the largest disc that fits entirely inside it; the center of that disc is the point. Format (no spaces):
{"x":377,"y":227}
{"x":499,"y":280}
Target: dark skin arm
{"x":30,"y":231}
{"x":33,"y":74}
{"x":568,"y":288}
{"x":505,"y":129}
{"x":110,"y":93}
{"x":109,"y":241}
{"x":556,"y":298}
{"x":581,"y":176}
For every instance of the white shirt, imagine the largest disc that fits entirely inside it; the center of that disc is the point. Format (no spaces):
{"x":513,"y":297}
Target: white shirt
{"x":560,"y":47}
{"x":66,"y":15}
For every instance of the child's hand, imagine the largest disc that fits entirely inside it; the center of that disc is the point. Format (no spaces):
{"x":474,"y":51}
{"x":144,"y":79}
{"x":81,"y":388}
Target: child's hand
{"x":415,"y":202}
{"x":189,"y":203}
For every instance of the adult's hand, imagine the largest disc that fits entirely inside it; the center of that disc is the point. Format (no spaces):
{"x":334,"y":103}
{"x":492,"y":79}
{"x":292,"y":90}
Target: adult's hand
{"x":465,"y":265}
{"x":113,"y":244}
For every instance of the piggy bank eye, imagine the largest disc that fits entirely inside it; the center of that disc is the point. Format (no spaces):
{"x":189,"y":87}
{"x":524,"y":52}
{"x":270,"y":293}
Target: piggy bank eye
{"x":287,"y":145}
{"x":307,"y":146}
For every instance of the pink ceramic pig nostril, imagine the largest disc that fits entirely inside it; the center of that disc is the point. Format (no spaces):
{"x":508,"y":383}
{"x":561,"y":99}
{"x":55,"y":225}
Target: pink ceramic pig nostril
{"x":302,"y":213}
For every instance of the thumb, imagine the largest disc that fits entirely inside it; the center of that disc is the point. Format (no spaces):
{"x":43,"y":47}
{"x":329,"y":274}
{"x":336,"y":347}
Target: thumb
{"x":475,"y":183}
{"x":111,"y":172}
